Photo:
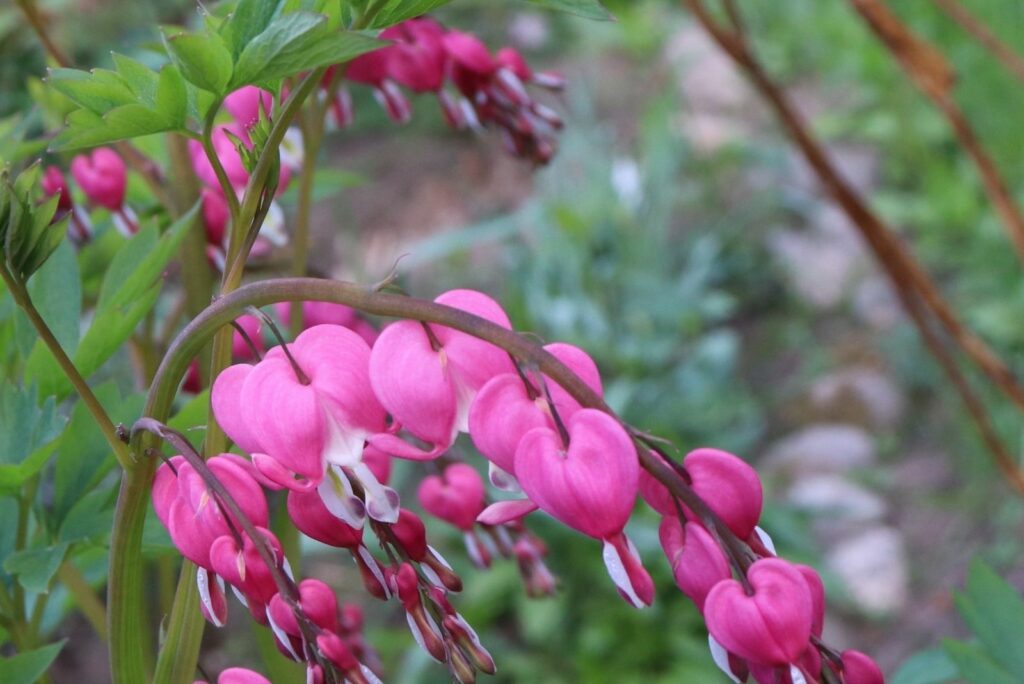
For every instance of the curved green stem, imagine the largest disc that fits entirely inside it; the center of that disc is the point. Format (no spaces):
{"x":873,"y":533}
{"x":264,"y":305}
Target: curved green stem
{"x":214,"y":159}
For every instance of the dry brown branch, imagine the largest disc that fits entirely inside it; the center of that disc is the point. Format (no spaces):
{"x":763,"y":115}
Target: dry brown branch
{"x":916,"y":290}
{"x":1013,"y":62}
{"x":930,"y":71}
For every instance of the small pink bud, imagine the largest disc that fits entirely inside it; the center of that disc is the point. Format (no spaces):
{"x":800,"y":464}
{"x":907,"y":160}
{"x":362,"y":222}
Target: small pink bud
{"x":316,"y":600}
{"x":411,"y":534}
{"x":102,"y":176}
{"x":309,"y":514}
{"x":859,"y":668}
{"x":770,"y":627}
{"x":456,"y":497}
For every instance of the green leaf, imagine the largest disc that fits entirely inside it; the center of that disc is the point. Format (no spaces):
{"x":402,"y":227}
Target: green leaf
{"x":129,"y":291}
{"x":35,"y":568}
{"x":995,"y":613}
{"x":83,"y":455}
{"x":250,"y":19}
{"x":204,"y":60}
{"x":193,"y":414}
{"x":28,"y":433}
{"x":975,"y":665}
{"x":932,"y":666}
{"x":396,"y":11}
{"x":91,"y":517}
{"x":131,"y":102}
{"x":293,"y":43}
{"x":28,"y":667}
{"x":56,"y":291}
{"x":589,"y":9}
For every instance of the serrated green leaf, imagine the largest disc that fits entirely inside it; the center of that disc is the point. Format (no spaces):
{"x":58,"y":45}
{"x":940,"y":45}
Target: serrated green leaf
{"x":396,"y":11}
{"x":589,"y":9}
{"x":975,"y":665}
{"x":204,"y":60}
{"x":995,"y":613}
{"x":139,"y":78}
{"x":25,"y":430}
{"x":126,"y":296}
{"x":249,"y":19}
{"x":28,"y":667}
{"x":98,"y":91}
{"x":34,"y":568}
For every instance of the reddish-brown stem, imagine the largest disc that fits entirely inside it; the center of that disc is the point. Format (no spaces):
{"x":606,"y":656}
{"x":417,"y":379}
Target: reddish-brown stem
{"x":1013,"y":62}
{"x":908,"y":277}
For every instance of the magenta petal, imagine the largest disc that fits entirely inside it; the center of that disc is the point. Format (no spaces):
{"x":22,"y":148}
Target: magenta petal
{"x":286,"y":417}
{"x":230,"y":406}
{"x":580,"y":363}
{"x":473,"y":360}
{"x":457,"y":497}
{"x":399,"y":448}
{"x":501,"y":512}
{"x":412,"y":381}
{"x":771,"y":627}
{"x":729,"y":485}
{"x":592,"y":485}
{"x":698,"y":564}
{"x":500,"y":415}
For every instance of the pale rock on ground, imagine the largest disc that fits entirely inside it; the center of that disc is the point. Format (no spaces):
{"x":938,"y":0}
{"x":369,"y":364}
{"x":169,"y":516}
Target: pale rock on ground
{"x":821,"y":448}
{"x":873,"y":567}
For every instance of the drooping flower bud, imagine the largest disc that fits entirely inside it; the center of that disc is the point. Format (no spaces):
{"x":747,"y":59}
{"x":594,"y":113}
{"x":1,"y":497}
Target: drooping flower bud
{"x":456,"y":497}
{"x":103,"y":178}
{"x":698,"y":563}
{"x":859,"y":668}
{"x":426,"y":378}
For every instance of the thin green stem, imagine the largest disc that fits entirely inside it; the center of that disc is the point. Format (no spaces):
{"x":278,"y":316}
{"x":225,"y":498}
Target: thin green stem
{"x":22,"y":299}
{"x":218,"y":168}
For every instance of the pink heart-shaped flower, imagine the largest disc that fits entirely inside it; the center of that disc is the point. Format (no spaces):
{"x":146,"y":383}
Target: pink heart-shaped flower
{"x":770,"y":627}
{"x":456,"y":497}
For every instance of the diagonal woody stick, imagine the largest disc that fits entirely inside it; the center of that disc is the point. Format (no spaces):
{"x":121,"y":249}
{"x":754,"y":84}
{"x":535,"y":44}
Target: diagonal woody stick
{"x":928,"y":68}
{"x":917,"y":292}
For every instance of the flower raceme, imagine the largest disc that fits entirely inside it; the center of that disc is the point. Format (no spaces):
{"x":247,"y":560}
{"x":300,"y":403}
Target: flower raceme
{"x":322,"y":416}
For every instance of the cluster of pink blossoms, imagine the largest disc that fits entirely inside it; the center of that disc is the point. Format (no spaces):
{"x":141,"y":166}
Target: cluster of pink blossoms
{"x":491,"y":89}
{"x":321,"y":418}
{"x":767,"y":624}
{"x":103,"y":178}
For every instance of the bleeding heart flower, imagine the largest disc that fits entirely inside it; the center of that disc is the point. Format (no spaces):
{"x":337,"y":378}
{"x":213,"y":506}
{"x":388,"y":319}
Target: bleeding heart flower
{"x":243,"y":568}
{"x":770,"y":627}
{"x":589,"y":484}
{"x":103,"y":178}
{"x":698,"y":563}
{"x":317,"y":601}
{"x":456,"y":497}
{"x":505,"y":409}
{"x":191,"y":514}
{"x":294,"y":429}
{"x":427,"y":381}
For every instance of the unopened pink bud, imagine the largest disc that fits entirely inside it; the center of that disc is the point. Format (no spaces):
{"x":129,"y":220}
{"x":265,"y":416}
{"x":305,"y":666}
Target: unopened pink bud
{"x":698,"y":564}
{"x":240,"y":675}
{"x":245,"y":103}
{"x":729,"y":486}
{"x":859,"y":668}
